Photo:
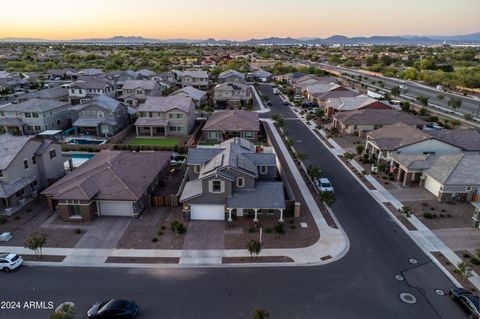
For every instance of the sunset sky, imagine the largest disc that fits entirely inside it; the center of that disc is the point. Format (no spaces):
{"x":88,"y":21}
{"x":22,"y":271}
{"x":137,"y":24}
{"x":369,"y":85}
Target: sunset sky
{"x":238,"y":20}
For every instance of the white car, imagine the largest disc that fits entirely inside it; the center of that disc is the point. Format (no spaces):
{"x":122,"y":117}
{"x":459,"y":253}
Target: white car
{"x":403,"y":87}
{"x":324,"y":185}
{"x":9,"y":261}
{"x":177,"y":159}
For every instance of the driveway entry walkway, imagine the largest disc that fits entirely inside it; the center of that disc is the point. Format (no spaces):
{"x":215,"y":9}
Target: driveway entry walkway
{"x":203,"y":241}
{"x":105,"y":232}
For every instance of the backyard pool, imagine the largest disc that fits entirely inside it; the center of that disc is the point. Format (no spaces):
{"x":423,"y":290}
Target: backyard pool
{"x":85,"y":141}
{"x":77,"y":158}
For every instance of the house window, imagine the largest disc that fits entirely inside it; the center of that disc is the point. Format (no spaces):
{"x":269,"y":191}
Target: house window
{"x":179,"y":116}
{"x":100,"y":114}
{"x":240,"y":182}
{"x":38,"y":128}
{"x":171,"y":115}
{"x":263,"y":169}
{"x":1,"y":172}
{"x":28,"y":115}
{"x":74,"y":211}
{"x":25,"y":164}
{"x":216,"y":186}
{"x":196,"y":169}
{"x":53,"y":154}
{"x":34,"y":160}
{"x":35,"y":115}
{"x":248,"y":135}
{"x":212,"y":135}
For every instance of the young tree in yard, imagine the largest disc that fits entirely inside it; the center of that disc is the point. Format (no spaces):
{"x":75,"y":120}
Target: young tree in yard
{"x":406,"y":212}
{"x":465,"y":270}
{"x":301,"y":156}
{"x":455,"y":103}
{"x":405,"y":106}
{"x":328,"y":198}
{"x":260,"y":314}
{"x":254,"y":247}
{"x":468,"y":117}
{"x":177,"y":227}
{"x":360,"y":148}
{"x":35,"y":242}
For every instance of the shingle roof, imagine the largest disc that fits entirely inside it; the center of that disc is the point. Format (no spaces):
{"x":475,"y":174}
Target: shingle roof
{"x":192,"y":92}
{"x":50,"y":93}
{"x":235,"y":120}
{"x":377,"y":117}
{"x":34,"y":105}
{"x":111,"y":175}
{"x":102,"y":101}
{"x":266,"y":195}
{"x":10,"y":146}
{"x":135,"y":84}
{"x":194,"y":74}
{"x":229,"y":86}
{"x":166,"y":103}
{"x":228,"y":73}
{"x":90,"y":83}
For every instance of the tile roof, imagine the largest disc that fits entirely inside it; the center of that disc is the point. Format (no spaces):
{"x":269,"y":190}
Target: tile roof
{"x":192,"y":92}
{"x":377,"y":117}
{"x":351,"y":103}
{"x":102,"y":101}
{"x":235,"y":120}
{"x":35,"y":105}
{"x":111,"y":175}
{"x":166,"y":103}
{"x":392,"y":137}
{"x":228,"y":73}
{"x":135,"y":84}
{"x":10,"y":146}
{"x":50,"y":93}
{"x":466,"y":139}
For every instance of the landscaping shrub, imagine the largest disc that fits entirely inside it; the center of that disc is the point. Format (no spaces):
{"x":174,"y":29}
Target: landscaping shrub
{"x":293,"y":227}
{"x":424,"y":204}
{"x":177,"y":227}
{"x":17,"y":217}
{"x":475,"y":261}
{"x":268,"y":230}
{"x":29,"y":210}
{"x":466,"y":255}
{"x":252,"y":229}
{"x":3,"y":220}
{"x":160,"y":233}
{"x":280,"y":229}
{"x":78,"y":231}
{"x":154,"y":239}
{"x":427,"y":215}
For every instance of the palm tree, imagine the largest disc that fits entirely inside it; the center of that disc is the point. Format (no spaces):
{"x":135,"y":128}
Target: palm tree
{"x":260,"y":314}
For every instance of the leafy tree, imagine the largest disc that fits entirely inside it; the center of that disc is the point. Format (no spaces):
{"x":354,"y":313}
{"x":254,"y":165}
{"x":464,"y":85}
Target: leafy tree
{"x":405,"y":106}
{"x":314,"y":171}
{"x":65,"y":312}
{"x":464,"y":269}
{"x":468,"y":117}
{"x":35,"y":242}
{"x":260,"y":314}
{"x":301,"y":156}
{"x":423,"y":111}
{"x":455,"y":103}
{"x":328,"y":198}
{"x":254,"y":247}
{"x":423,"y":100}
{"x":395,"y":91}
{"x":406,"y":212}
{"x":177,"y":227}
{"x":360,"y":148}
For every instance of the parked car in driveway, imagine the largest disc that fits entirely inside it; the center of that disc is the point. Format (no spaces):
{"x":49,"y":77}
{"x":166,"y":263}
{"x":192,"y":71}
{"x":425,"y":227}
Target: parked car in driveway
{"x":324,"y":185}
{"x":309,"y":104}
{"x":469,"y":302}
{"x":113,"y":308}
{"x":177,"y":159}
{"x":9,"y":261}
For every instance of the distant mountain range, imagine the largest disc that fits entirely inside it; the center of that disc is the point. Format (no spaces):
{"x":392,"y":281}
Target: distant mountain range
{"x":473,"y":38}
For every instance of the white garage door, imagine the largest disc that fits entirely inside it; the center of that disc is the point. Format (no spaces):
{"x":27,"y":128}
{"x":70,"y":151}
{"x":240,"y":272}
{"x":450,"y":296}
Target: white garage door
{"x":115,"y":208}
{"x":432,"y":186}
{"x":207,"y":212}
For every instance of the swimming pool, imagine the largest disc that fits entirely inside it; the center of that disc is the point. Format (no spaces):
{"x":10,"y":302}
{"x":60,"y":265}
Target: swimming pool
{"x":85,"y":141}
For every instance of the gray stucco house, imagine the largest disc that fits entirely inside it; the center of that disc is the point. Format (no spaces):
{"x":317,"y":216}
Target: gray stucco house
{"x":223,"y":125}
{"x":231,"y":76}
{"x":229,"y":94}
{"x":34,"y":116}
{"x":101,"y":116}
{"x":27,"y":165}
{"x":231,"y":181}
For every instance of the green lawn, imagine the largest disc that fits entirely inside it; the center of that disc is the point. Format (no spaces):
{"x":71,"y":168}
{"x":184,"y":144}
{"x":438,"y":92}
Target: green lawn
{"x":165,"y":141}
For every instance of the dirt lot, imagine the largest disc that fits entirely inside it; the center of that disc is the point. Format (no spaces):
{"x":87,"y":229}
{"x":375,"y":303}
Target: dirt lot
{"x":443,"y":215}
{"x":142,"y":231}
{"x":27,"y":221}
{"x":349,"y":142}
{"x":295,"y":236}
{"x":451,"y":269}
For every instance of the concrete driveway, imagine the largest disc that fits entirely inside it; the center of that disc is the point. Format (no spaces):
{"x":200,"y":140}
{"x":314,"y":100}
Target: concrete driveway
{"x":104,"y":232}
{"x":204,"y":235}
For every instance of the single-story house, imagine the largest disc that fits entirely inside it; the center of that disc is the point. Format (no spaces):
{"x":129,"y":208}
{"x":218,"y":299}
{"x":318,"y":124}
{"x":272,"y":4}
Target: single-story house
{"x":450,"y":177}
{"x":112,"y":183}
{"x":362,"y":121}
{"x":223,"y":125}
{"x":361,"y":102}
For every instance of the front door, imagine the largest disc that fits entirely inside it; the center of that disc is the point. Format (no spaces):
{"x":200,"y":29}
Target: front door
{"x":160,"y":131}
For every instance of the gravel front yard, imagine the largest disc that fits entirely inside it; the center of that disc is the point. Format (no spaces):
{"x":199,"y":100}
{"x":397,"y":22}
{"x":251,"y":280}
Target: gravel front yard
{"x":146,"y":231}
{"x":437,"y":215}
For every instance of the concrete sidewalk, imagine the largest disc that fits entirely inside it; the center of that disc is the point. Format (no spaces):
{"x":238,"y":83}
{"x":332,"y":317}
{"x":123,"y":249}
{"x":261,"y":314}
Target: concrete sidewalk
{"x":332,"y":245}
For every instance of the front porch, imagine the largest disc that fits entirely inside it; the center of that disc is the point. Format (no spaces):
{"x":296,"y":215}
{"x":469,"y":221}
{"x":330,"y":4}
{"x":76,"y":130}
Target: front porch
{"x":16,"y":195}
{"x":254,"y":213}
{"x":151,"y":127}
{"x":13,"y":126}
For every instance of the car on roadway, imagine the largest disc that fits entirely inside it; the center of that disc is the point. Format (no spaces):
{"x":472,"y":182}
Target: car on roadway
{"x":313,"y":110}
{"x":10,"y":261}
{"x":469,"y":302}
{"x":269,"y":103}
{"x":276,"y":91}
{"x":430,"y":126}
{"x":286,"y":103}
{"x":324,"y":185}
{"x":403,"y":87}
{"x":113,"y":308}
{"x":308,"y":104}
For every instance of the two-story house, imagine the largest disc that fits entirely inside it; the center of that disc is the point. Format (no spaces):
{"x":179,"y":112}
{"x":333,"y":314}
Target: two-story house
{"x":86,"y":88}
{"x":197,"y":79}
{"x":102,"y":116}
{"x":232,"y":181}
{"x":27,"y":165}
{"x":34,"y":116}
{"x":223,"y":125}
{"x":166,"y":116}
{"x":135,"y":92}
{"x":231,"y":76}
{"x":229,"y":95}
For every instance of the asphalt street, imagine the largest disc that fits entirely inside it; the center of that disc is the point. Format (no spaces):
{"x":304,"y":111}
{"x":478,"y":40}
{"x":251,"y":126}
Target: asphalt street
{"x":413,"y":90}
{"x":360,"y":285}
